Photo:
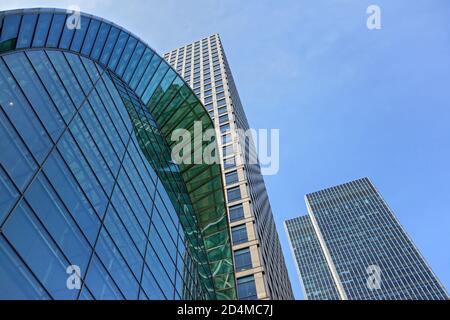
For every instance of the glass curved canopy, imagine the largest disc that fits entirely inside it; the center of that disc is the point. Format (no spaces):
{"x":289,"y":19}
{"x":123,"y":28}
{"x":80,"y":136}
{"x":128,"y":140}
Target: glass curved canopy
{"x":143,"y":79}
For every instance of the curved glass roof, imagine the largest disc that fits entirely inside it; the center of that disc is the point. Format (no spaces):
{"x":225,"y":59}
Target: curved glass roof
{"x":165,"y":94}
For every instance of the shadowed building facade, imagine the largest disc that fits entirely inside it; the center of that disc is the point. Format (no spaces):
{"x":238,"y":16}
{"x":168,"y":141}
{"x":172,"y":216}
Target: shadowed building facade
{"x":259,"y":262}
{"x":87,"y":181}
{"x":351,"y":246}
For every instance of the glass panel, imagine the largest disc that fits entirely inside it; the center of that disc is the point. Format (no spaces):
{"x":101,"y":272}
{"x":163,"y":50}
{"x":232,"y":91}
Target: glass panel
{"x":36,"y":94}
{"x":247,"y":288}
{"x":26,"y":31}
{"x":228,"y":151}
{"x":234,"y":194}
{"x":135,"y":58}
{"x":151,"y":286}
{"x":143,"y":63}
{"x":39,"y":252}
{"x":162,"y":69}
{"x":129,"y":220}
{"x":22,"y":115}
{"x":15,"y":157}
{"x":72,"y":196}
{"x":100,"y":282}
{"x":223,"y":119}
{"x":43,"y":25}
{"x":159,"y":272}
{"x":231,"y":177}
{"x":236,"y":213}
{"x":52,"y":83}
{"x":68,"y":78}
{"x":67,"y":35}
{"x":100,"y":40}
{"x":92,"y":154}
{"x":10,"y":27}
{"x":17,"y":282}
{"x":8,"y":191}
{"x":110,"y":43}
{"x":124,"y":241}
{"x":58,"y":222}
{"x":239,"y":234}
{"x":229,"y":163}
{"x":90,"y":37}
{"x":78,"y":38}
{"x":83,"y":173}
{"x":116,"y":266}
{"x":99,"y":136}
{"x":125,"y":58}
{"x":148,"y":75}
{"x":243,"y":259}
{"x":58,"y":22}
{"x":79,"y":71}
{"x":116,"y":53}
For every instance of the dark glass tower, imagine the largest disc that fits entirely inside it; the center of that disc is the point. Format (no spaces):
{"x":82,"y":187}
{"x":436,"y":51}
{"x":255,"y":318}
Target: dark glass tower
{"x":352,"y":247}
{"x":87,"y":182}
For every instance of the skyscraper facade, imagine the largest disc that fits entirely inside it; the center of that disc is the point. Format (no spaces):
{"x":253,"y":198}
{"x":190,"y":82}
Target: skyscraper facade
{"x":91,"y":204}
{"x":351,"y":246}
{"x":261,"y":272}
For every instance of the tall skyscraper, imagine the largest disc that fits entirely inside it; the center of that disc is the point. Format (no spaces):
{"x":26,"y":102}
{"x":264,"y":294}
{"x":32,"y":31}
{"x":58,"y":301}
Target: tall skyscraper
{"x":350,"y":246}
{"x":91,"y":204}
{"x":260,"y":267}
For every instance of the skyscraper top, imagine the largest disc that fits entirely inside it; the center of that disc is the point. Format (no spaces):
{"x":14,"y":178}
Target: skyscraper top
{"x":351,"y":246}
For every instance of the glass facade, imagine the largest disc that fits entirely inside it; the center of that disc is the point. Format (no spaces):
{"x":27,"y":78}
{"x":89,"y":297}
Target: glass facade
{"x":86,"y":177}
{"x":351,"y":245}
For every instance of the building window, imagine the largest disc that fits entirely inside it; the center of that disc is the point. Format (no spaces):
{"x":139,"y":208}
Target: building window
{"x":234,"y":194}
{"x":247,"y":288}
{"x":226,"y":138}
{"x":222,"y":110}
{"x":229,"y":163}
{"x":236,"y":213}
{"x":231,"y":177}
{"x":225,"y":128}
{"x":221,"y":103}
{"x":228,"y":151}
{"x":223,"y":119}
{"x":239,"y":234}
{"x":243,"y":259}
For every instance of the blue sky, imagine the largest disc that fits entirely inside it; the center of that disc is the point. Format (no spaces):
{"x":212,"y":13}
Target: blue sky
{"x":349,"y":102}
